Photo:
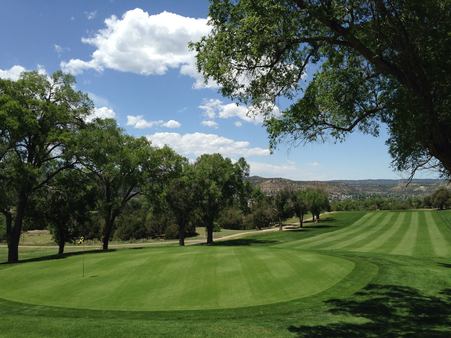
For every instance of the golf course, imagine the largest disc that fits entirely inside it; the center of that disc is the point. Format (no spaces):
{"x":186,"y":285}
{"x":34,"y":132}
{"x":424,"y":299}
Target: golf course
{"x":352,"y":274}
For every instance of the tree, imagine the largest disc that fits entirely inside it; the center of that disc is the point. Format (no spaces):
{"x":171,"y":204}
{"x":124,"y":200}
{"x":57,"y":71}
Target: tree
{"x":38,"y":116}
{"x":300,"y":205}
{"x":283,"y":208}
{"x":318,"y":201}
{"x":441,"y":198}
{"x":218,"y":183}
{"x":118,"y":163}
{"x":65,"y":206}
{"x":181,"y":198}
{"x":368,"y":61}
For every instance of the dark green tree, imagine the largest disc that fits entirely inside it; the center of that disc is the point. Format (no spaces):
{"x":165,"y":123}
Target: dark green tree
{"x":181,"y":198}
{"x":367,"y":62}
{"x":219,"y":183}
{"x":38,"y":117}
{"x":441,"y":198}
{"x":299,"y":200}
{"x":283,"y":206}
{"x":118,"y":164}
{"x":65,"y":206}
{"x":317,"y":201}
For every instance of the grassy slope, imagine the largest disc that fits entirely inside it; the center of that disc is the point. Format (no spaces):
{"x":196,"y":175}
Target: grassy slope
{"x":396,"y":289}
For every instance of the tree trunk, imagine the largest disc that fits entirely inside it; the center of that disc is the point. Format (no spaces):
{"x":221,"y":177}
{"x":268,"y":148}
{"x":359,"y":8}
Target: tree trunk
{"x":61,"y":247}
{"x":61,"y":240}
{"x":182,"y":234}
{"x":107,"y":232}
{"x":210,"y":234}
{"x":280,"y":225}
{"x":317,"y":218}
{"x":15,"y":230}
{"x":301,"y":220}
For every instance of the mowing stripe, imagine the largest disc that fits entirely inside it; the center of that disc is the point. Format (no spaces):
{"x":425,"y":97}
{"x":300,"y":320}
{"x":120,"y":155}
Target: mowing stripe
{"x":357,"y":227}
{"x":361,"y":237}
{"x":423,"y":245}
{"x":385,"y":235}
{"x":440,"y":245}
{"x":327,"y":236}
{"x":391,"y":243}
{"x":407,"y":244}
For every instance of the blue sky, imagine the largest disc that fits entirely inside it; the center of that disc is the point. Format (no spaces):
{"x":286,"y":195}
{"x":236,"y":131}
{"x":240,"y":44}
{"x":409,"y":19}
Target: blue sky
{"x":131,"y":57}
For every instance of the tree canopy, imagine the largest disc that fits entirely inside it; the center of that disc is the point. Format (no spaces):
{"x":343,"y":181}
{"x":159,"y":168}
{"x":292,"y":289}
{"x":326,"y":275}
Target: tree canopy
{"x":365,"y":63}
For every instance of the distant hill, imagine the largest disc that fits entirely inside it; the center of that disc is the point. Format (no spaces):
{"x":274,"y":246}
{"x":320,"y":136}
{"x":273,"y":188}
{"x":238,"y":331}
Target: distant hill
{"x":343,"y":189}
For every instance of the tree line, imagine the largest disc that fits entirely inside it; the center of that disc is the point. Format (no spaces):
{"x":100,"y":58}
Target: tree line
{"x":60,"y":170}
{"x":440,"y":199}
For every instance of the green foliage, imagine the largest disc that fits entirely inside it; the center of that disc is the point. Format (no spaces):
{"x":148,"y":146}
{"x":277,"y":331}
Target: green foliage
{"x":372,"y":61}
{"x":38,"y":117}
{"x":261,"y":216}
{"x":231,"y":218}
{"x":219,"y":183}
{"x":441,"y":198}
{"x":283,"y":207}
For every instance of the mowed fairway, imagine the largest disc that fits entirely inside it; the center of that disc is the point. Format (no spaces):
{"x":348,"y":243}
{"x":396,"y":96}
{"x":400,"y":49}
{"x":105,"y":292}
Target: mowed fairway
{"x":411,"y":233}
{"x":174,"y":278}
{"x":354,"y":274}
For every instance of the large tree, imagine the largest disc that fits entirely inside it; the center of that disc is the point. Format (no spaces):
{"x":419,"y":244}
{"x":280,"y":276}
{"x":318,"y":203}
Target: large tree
{"x":219,"y":183}
{"x":366,"y":62}
{"x":117,"y":163}
{"x":283,"y":207}
{"x":38,"y":116}
{"x":299,"y":200}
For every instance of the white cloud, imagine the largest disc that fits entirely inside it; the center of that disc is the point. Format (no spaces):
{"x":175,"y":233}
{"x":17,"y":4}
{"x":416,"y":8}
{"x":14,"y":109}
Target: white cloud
{"x":139,"y":122}
{"x":60,"y":49}
{"x":238,"y":124}
{"x":273,"y":170}
{"x":201,"y":143}
{"x":13,"y":73}
{"x":210,"y":124}
{"x":172,"y":124}
{"x":214,"y":108}
{"x":91,"y":15}
{"x":101,"y":113}
{"x":144,"y":44}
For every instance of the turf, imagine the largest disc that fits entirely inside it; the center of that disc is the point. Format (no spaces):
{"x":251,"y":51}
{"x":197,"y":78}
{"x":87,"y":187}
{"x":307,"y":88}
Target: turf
{"x":398,"y":284}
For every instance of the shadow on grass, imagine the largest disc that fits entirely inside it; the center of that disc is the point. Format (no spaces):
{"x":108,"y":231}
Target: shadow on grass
{"x":391,"y":311}
{"x":56,"y":256}
{"x":245,"y":242}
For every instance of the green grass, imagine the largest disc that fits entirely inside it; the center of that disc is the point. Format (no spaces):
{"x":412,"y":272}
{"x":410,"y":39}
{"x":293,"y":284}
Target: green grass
{"x":351,"y":275}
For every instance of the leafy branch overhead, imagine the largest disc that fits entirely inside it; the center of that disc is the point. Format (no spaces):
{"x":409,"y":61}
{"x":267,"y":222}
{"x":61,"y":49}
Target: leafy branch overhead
{"x":343,"y":66}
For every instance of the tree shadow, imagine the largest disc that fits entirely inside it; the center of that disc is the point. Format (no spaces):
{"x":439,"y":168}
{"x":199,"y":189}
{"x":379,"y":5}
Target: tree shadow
{"x":245,"y":242}
{"x":390,"y":311}
{"x":56,"y":256}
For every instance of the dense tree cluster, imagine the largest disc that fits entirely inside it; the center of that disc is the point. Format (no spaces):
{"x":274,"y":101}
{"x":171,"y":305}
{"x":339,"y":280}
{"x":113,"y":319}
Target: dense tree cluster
{"x":440,"y":199}
{"x":80,"y":178}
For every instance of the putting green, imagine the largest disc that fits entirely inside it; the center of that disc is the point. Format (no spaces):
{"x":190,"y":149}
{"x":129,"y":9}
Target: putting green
{"x":173,"y":278}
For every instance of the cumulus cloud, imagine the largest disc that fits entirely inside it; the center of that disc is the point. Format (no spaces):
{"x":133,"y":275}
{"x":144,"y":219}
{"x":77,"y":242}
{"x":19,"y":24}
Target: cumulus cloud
{"x":144,"y":44}
{"x":214,"y":108}
{"x":139,"y":122}
{"x":13,"y":73}
{"x":201,"y":143}
{"x":101,"y":113}
{"x":172,"y":124}
{"x":210,"y":124}
{"x":288,"y":169}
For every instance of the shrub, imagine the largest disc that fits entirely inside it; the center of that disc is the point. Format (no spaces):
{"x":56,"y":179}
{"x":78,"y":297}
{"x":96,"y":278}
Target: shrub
{"x":231,"y":218}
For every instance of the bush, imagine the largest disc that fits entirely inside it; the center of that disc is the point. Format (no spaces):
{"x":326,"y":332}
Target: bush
{"x":231,"y":218}
{"x":172,"y":231}
{"x":261,"y":217}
